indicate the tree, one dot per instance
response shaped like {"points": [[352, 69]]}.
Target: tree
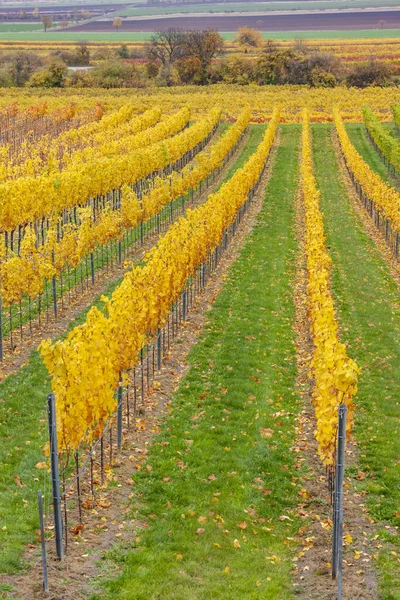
{"points": [[22, 14], [113, 73], [152, 69], [299, 71], [247, 37], [117, 23], [166, 46], [82, 55], [233, 70], [168, 76], [322, 79], [205, 45], [372, 73], [326, 61], [123, 51], [22, 65], [64, 23], [53, 76], [190, 70], [35, 12], [272, 65], [47, 22]]}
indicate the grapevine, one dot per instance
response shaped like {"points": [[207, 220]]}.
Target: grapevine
{"points": [[30, 198], [381, 193], [86, 367], [335, 374]]}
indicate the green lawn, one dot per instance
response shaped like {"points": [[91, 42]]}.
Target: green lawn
{"points": [[237, 483], [120, 37], [368, 305]]}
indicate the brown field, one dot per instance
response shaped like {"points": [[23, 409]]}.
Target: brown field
{"points": [[296, 22]]}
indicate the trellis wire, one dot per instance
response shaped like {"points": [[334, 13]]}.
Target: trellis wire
{"points": [[103, 257], [391, 168], [23, 128], [381, 223]]}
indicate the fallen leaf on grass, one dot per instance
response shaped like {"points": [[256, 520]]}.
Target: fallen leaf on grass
{"points": [[242, 525], [17, 480], [199, 531], [236, 544], [202, 520], [41, 465], [266, 433]]}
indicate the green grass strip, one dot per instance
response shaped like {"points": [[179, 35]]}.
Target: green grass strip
{"points": [[368, 305], [241, 380], [23, 432], [358, 135], [138, 36]]}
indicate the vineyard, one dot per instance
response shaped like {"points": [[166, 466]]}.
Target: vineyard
{"points": [[199, 343]]}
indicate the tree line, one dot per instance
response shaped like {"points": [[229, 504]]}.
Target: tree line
{"points": [[193, 57]]}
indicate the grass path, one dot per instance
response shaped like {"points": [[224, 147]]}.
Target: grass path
{"points": [[222, 468], [359, 137], [368, 305], [23, 432]]}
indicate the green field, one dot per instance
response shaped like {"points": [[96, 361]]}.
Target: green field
{"points": [[254, 7], [21, 27], [121, 37]]}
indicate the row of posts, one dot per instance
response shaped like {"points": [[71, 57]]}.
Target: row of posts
{"points": [[55, 474], [337, 539], [180, 163]]}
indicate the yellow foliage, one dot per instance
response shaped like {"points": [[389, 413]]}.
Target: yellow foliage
{"points": [[335, 374], [386, 198], [85, 367]]}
